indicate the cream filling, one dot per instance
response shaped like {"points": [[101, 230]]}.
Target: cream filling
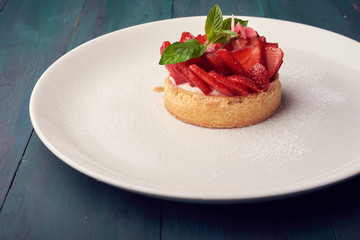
{"points": [[186, 86]]}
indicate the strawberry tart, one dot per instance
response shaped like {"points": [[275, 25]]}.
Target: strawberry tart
{"points": [[226, 78]]}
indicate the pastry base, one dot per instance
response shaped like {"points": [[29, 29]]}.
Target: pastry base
{"points": [[222, 111]]}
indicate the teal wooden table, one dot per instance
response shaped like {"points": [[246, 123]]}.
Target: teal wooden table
{"points": [[43, 198]]}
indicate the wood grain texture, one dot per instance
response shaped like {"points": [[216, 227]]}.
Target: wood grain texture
{"points": [[3, 4], [336, 16], [33, 35], [297, 218], [98, 18], [50, 200], [184, 8], [341, 205]]}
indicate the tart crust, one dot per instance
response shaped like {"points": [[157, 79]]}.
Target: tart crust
{"points": [[222, 111]]}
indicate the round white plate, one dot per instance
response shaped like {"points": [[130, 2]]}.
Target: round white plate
{"points": [[94, 108]]}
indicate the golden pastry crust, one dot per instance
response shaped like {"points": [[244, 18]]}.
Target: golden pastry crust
{"points": [[221, 111]]}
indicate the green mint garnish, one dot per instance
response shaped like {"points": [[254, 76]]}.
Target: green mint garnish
{"points": [[226, 25], [182, 51], [213, 22], [217, 30]]}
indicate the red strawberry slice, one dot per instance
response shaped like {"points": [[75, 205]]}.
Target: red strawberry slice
{"points": [[246, 82], [201, 73], [176, 74], [239, 88], [257, 41], [181, 67], [213, 47], [259, 75], [186, 36], [201, 38], [230, 61], [192, 77], [218, 64], [275, 45], [274, 58], [201, 62], [239, 43], [249, 56], [164, 46]]}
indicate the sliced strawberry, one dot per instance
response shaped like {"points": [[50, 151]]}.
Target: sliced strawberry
{"points": [[164, 46], [254, 41], [176, 73], [201, 62], [239, 43], [230, 61], [218, 64], [259, 75], [246, 82], [186, 36], [257, 41], [201, 38], [274, 58], [239, 88], [249, 56], [275, 45], [195, 79], [263, 40], [179, 67], [213, 47], [201, 73], [227, 47]]}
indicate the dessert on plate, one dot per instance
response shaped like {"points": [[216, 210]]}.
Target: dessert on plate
{"points": [[226, 78]]}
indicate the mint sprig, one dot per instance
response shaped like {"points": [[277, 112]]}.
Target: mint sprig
{"points": [[213, 22], [226, 24], [182, 51], [217, 30]]}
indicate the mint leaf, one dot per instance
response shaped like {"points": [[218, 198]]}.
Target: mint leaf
{"points": [[182, 51], [223, 36], [213, 21], [226, 24]]}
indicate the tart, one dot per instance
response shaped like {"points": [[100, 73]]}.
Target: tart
{"points": [[221, 111], [226, 78]]}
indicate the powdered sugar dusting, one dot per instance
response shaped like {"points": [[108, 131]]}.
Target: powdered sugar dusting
{"points": [[127, 121], [308, 95]]}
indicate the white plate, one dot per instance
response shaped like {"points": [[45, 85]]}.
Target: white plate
{"points": [[94, 108]]}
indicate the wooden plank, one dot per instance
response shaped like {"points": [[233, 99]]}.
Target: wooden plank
{"points": [[33, 35], [297, 218], [337, 16], [341, 204], [184, 8], [50, 200], [3, 4], [98, 19]]}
